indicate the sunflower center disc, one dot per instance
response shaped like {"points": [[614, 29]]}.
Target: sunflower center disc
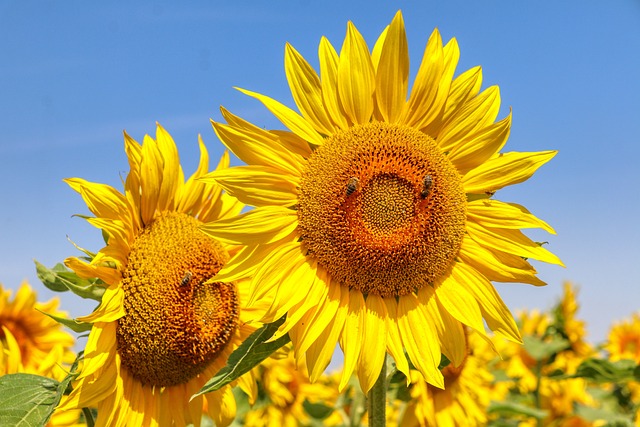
{"points": [[176, 319], [382, 209]]}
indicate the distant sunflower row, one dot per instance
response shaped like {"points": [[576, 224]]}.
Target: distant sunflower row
{"points": [[370, 222]]}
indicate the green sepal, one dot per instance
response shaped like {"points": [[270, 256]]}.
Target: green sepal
{"points": [[61, 279], [247, 356], [72, 324]]}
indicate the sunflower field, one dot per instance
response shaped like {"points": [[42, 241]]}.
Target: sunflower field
{"points": [[339, 270]]}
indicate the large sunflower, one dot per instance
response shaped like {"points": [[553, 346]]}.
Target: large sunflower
{"points": [[375, 225], [165, 325]]}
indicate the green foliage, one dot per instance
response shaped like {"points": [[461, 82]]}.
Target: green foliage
{"points": [[508, 408], [27, 400], [248, 355], [605, 371], [542, 349], [61, 279]]}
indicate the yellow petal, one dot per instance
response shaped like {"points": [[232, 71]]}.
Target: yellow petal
{"points": [[356, 77], [150, 179], [394, 342], [294, 287], [352, 336], [257, 185], [306, 298], [473, 116], [450, 331], [288, 117], [261, 225], [463, 88], [222, 406], [315, 321], [496, 214], [429, 86], [392, 71], [478, 147], [280, 263], [172, 176], [329, 79], [495, 312], [420, 339], [110, 309], [307, 91], [496, 266], [374, 343], [102, 200], [191, 193], [458, 302], [320, 352], [256, 146], [510, 241], [504, 169]]}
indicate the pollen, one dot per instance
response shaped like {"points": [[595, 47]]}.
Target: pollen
{"points": [[177, 317], [400, 227]]}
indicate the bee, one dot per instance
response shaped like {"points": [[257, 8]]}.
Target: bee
{"points": [[490, 193], [352, 185], [427, 183], [186, 279]]}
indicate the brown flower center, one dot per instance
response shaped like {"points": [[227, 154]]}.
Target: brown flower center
{"points": [[382, 209], [177, 318]]}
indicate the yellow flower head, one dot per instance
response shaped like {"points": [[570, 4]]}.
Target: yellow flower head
{"points": [[165, 325], [464, 400], [624, 340], [286, 388], [30, 340], [375, 225]]}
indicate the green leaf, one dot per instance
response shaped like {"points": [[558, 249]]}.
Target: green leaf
{"points": [[540, 349], [319, 411], [248, 355], [72, 324], [61, 279], [27, 400], [513, 408], [598, 414], [605, 371]]}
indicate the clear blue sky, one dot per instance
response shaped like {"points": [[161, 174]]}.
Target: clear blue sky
{"points": [[73, 76]]}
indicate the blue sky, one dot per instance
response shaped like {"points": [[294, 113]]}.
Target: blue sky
{"points": [[73, 76]]}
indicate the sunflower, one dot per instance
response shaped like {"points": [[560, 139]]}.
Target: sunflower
{"points": [[165, 325], [32, 342], [286, 389], [375, 225], [624, 340], [465, 399]]}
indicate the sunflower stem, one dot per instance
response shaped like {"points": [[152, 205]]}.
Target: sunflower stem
{"points": [[377, 399]]}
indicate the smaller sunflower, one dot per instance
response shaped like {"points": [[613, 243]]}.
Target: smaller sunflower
{"points": [[624, 340], [32, 342], [465, 397], [285, 390], [165, 325]]}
